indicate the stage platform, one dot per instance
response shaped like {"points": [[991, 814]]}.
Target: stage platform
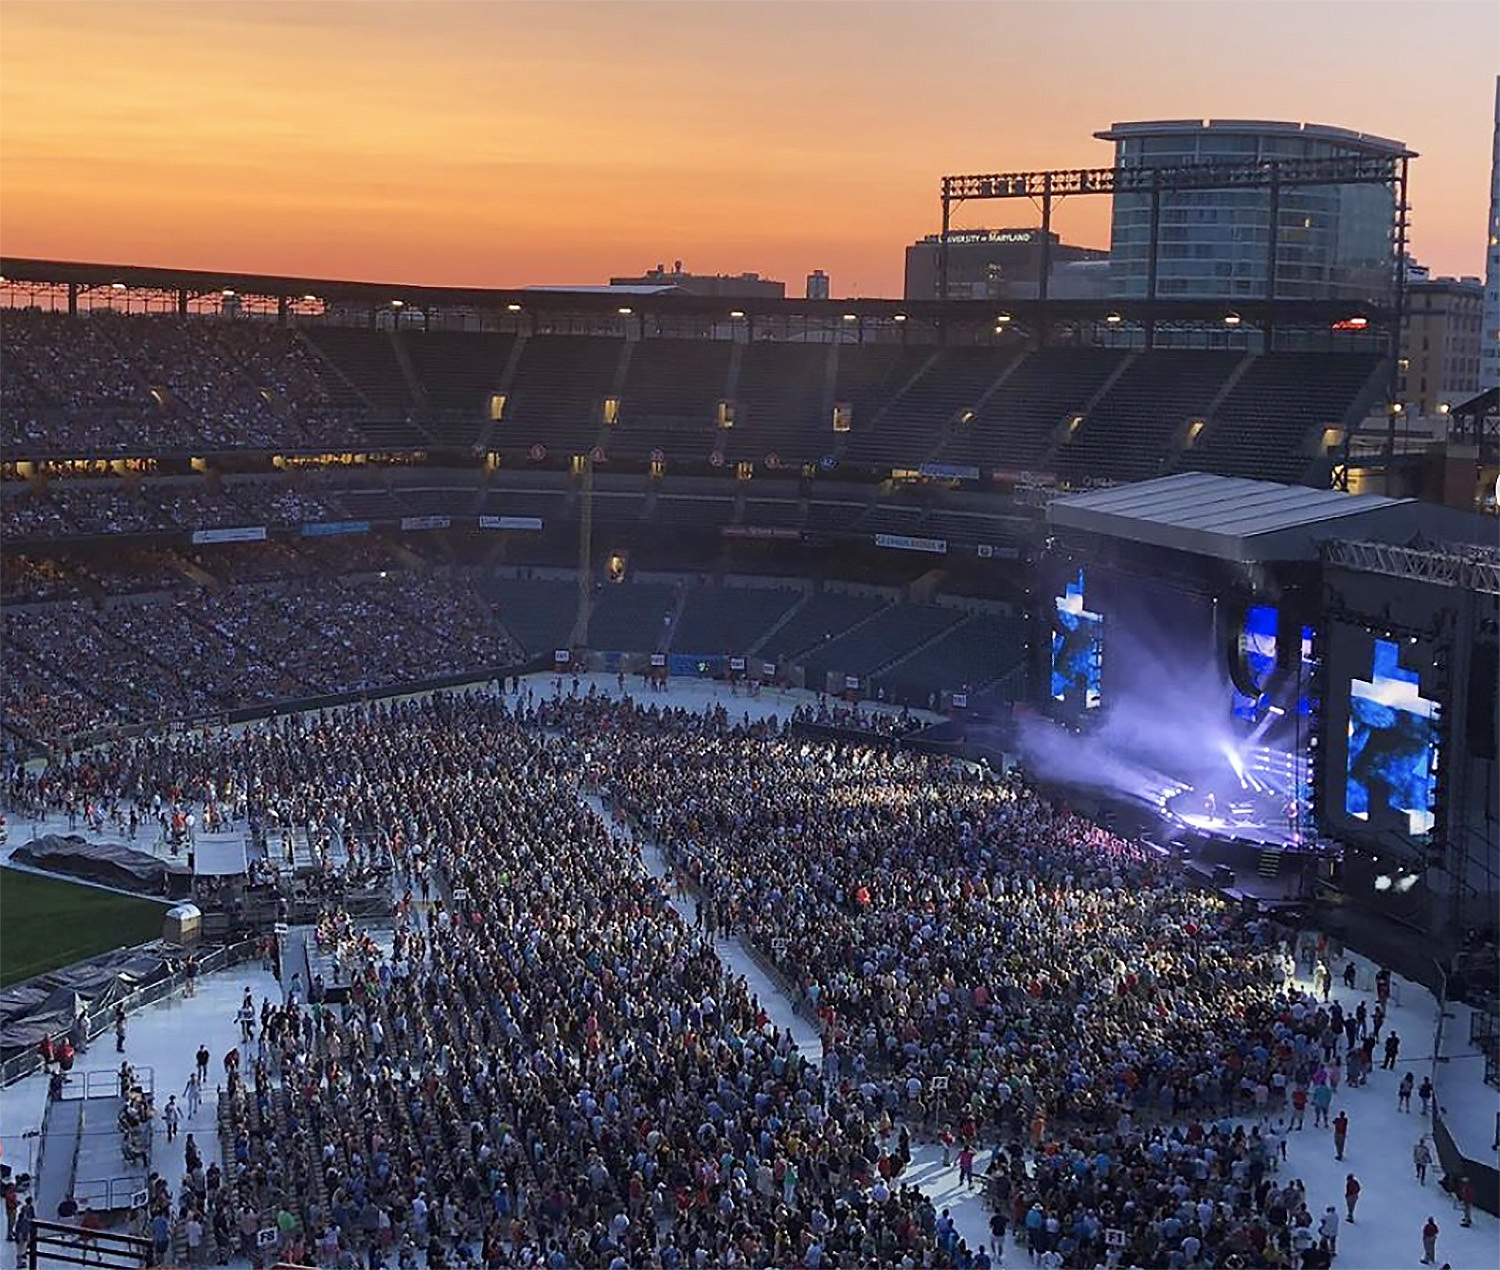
{"points": [[303, 959], [221, 854], [82, 1147]]}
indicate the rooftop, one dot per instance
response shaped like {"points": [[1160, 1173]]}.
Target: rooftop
{"points": [[1366, 141], [1233, 519]]}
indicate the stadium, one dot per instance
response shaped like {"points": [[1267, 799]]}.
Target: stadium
{"points": [[615, 777]]}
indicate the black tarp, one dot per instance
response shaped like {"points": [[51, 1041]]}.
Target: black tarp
{"points": [[48, 1004], [108, 863]]}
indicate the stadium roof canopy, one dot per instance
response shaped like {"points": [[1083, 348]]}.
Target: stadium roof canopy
{"points": [[85, 276], [1232, 519]]}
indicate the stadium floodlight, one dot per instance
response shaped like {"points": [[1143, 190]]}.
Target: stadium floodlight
{"points": [[1232, 319]]}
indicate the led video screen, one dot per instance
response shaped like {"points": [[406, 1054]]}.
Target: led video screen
{"points": [[1257, 640], [1077, 649], [1393, 744]]}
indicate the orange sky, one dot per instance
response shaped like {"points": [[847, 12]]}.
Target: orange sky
{"points": [[509, 144]]}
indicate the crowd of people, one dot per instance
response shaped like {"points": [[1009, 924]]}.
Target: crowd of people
{"points": [[76, 667], [104, 383], [72, 508], [547, 1066]]}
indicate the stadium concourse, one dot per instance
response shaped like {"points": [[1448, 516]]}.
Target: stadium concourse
{"points": [[552, 810]]}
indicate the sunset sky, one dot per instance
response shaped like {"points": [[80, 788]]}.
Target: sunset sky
{"points": [[517, 143]]}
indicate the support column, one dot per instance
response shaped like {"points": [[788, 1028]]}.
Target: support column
{"points": [[1153, 256], [1045, 258]]}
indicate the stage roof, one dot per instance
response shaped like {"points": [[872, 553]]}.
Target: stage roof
{"points": [[1231, 519]]}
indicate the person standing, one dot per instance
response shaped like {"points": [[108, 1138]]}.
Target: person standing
{"points": [[1429, 1242], [171, 1116], [1392, 1048], [1328, 1231], [203, 1060], [1351, 1196], [1322, 1099], [1425, 1093], [1466, 1198], [1340, 1134], [1421, 1157], [1403, 1095]]}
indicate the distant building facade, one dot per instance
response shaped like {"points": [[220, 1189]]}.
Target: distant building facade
{"points": [[1333, 242], [817, 285], [1489, 353], [1440, 343], [987, 264], [740, 286]]}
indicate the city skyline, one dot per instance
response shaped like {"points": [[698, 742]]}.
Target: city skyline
{"points": [[518, 144]]}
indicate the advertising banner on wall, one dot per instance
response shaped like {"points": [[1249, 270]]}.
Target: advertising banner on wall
{"points": [[245, 533]]}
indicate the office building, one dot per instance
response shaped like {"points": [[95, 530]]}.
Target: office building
{"points": [[1489, 352], [737, 286], [1333, 242], [817, 285], [988, 264], [1440, 344]]}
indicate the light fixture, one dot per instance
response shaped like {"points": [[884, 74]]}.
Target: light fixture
{"points": [[624, 312], [1443, 406], [309, 299], [227, 293], [398, 304], [736, 313], [1002, 318], [1232, 319], [512, 308], [851, 317], [900, 317], [117, 286], [1114, 319]]}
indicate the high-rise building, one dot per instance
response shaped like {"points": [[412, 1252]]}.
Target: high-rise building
{"points": [[1440, 343], [1489, 349], [817, 285], [1333, 242], [988, 264]]}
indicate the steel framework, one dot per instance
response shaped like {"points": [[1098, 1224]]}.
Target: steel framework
{"points": [[1472, 568], [1271, 176]]}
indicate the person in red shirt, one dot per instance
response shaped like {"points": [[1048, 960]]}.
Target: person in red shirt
{"points": [[1351, 1196], [1429, 1242], [1299, 1106]]}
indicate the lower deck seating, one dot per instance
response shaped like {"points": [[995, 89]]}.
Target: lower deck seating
{"points": [[729, 619], [631, 617], [893, 634]]}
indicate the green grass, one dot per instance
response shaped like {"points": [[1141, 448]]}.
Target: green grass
{"points": [[45, 923]]}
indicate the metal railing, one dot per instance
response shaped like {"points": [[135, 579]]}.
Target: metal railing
{"points": [[101, 1017], [55, 1243]]}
